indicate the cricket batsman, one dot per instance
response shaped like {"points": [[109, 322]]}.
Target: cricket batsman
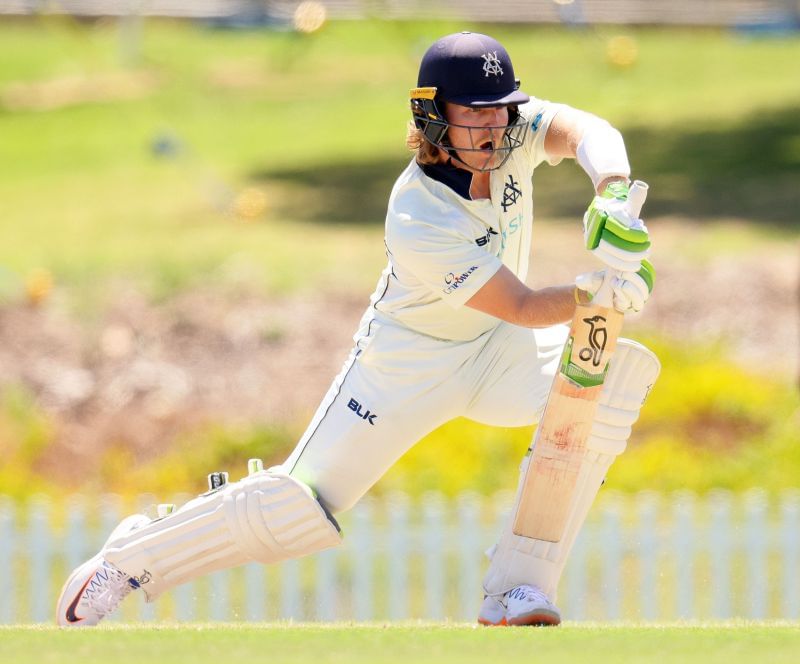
{"points": [[451, 331]]}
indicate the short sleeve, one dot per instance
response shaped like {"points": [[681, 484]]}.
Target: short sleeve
{"points": [[538, 114], [452, 266]]}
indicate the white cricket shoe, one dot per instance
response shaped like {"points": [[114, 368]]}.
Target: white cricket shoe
{"points": [[96, 588], [524, 605]]}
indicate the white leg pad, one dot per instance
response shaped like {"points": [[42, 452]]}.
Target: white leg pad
{"points": [[266, 517], [517, 560]]}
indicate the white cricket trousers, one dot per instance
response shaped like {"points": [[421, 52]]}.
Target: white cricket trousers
{"points": [[398, 385]]}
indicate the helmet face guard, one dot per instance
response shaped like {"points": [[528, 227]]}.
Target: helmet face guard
{"points": [[433, 125]]}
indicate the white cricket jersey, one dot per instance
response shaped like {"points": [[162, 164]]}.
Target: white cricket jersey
{"points": [[443, 247]]}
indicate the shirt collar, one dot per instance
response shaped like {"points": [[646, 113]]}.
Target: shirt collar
{"points": [[458, 179]]}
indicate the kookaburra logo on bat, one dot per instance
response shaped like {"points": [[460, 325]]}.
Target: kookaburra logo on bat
{"points": [[598, 336]]}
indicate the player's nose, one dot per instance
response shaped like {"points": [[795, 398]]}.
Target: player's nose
{"points": [[489, 117]]}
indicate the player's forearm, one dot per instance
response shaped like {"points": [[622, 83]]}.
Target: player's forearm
{"points": [[505, 297], [526, 307], [545, 307]]}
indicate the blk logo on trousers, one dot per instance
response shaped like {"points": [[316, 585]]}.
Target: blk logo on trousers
{"points": [[358, 409]]}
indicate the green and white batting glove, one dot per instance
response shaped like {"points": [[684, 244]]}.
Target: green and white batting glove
{"points": [[617, 239], [631, 290]]}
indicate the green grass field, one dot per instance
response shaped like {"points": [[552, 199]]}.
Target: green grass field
{"points": [[405, 644], [317, 123]]}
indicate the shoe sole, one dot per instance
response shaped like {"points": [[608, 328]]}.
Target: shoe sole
{"points": [[532, 620], [537, 619]]}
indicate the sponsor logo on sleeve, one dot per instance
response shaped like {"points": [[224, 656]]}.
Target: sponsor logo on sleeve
{"points": [[453, 281], [537, 121]]}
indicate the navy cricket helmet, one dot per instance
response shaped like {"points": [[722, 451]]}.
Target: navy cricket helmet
{"points": [[468, 69]]}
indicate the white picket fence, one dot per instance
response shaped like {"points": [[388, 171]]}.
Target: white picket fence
{"points": [[641, 557]]}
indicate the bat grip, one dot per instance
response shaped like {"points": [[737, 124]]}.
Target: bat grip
{"points": [[636, 197]]}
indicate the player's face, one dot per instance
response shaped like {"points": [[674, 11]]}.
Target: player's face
{"points": [[476, 133]]}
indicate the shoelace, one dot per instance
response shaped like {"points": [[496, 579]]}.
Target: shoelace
{"points": [[529, 593], [117, 588]]}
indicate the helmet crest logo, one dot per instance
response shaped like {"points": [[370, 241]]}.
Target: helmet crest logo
{"points": [[491, 64]]}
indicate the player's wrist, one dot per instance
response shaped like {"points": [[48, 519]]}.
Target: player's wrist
{"points": [[609, 184]]}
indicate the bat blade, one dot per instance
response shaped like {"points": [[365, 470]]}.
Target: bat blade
{"points": [[557, 452], [558, 448]]}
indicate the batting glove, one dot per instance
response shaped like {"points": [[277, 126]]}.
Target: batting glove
{"points": [[631, 290], [617, 239]]}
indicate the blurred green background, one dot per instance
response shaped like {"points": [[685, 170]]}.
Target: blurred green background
{"points": [[192, 224]]}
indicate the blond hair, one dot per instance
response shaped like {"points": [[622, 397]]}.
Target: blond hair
{"points": [[427, 152]]}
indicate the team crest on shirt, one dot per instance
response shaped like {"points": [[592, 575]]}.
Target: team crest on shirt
{"points": [[511, 193], [491, 64]]}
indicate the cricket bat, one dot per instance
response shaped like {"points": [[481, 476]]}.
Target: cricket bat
{"points": [[558, 448]]}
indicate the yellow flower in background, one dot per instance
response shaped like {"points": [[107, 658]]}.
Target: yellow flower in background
{"points": [[622, 51], [250, 204], [38, 285]]}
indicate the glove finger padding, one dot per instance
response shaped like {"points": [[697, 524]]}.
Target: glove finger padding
{"points": [[628, 297], [620, 259], [612, 234], [631, 290]]}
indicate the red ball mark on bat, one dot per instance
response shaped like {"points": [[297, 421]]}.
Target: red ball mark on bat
{"points": [[563, 437]]}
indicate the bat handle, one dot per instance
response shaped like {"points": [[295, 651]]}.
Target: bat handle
{"points": [[636, 197]]}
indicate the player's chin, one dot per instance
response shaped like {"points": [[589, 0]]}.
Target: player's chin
{"points": [[481, 159], [490, 160]]}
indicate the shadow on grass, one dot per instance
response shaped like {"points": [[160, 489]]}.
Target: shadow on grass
{"points": [[749, 170]]}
